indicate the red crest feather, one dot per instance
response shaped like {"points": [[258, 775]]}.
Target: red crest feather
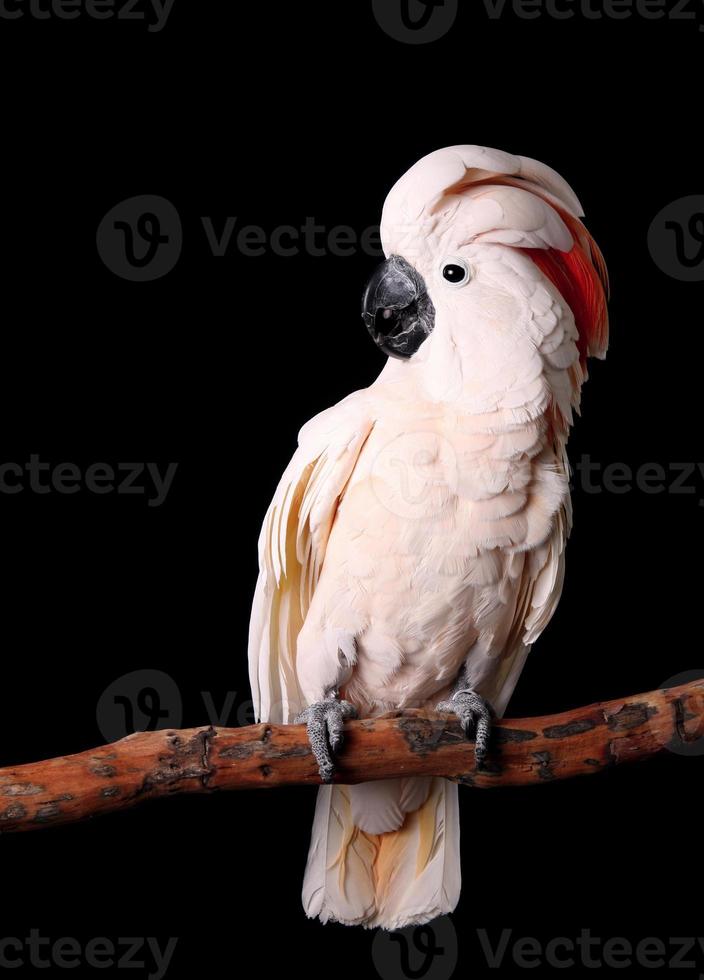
{"points": [[581, 278]]}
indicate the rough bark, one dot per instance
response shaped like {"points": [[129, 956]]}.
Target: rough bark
{"points": [[205, 760]]}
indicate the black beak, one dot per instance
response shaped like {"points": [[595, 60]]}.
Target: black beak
{"points": [[396, 308]]}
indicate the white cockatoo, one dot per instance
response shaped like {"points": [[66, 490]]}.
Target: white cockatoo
{"points": [[414, 549]]}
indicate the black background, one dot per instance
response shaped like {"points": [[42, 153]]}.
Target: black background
{"points": [[272, 113]]}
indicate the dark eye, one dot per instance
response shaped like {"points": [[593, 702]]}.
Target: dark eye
{"points": [[455, 274]]}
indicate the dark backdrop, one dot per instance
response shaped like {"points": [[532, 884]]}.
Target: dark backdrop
{"points": [[273, 114]]}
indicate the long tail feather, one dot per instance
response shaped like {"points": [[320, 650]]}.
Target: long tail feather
{"points": [[390, 880]]}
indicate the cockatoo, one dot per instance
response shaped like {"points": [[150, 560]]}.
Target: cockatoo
{"points": [[414, 549]]}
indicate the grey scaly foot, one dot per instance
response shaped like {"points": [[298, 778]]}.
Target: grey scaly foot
{"points": [[475, 715], [326, 721]]}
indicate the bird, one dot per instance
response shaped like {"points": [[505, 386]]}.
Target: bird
{"points": [[414, 549]]}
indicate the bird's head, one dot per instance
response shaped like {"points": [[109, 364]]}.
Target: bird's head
{"points": [[491, 281]]}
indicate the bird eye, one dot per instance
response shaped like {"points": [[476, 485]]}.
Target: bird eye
{"points": [[456, 273]]}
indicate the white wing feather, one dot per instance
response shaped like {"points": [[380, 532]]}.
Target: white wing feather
{"points": [[292, 547]]}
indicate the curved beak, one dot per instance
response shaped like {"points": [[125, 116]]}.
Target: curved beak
{"points": [[396, 308]]}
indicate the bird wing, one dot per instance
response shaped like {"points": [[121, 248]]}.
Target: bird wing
{"points": [[292, 547], [540, 584]]}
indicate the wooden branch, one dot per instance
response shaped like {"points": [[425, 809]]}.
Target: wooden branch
{"points": [[204, 760]]}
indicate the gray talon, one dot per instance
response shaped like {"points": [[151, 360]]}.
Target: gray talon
{"points": [[475, 715], [326, 723]]}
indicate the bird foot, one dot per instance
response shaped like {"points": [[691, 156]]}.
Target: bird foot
{"points": [[326, 721], [475, 715]]}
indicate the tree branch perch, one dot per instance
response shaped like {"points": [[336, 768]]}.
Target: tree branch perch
{"points": [[204, 760]]}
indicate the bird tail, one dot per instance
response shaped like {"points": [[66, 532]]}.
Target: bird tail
{"points": [[384, 854]]}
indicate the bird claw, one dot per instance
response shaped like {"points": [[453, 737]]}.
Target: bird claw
{"points": [[475, 715], [326, 722]]}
